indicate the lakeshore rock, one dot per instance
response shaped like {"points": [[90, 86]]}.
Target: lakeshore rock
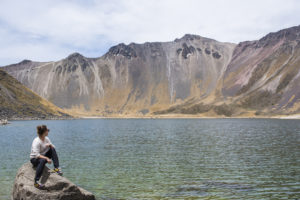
{"points": [[57, 187]]}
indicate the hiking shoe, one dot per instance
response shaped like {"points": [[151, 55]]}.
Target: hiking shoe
{"points": [[39, 185], [58, 171]]}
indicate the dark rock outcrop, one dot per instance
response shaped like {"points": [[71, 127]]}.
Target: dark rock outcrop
{"points": [[122, 49], [207, 51], [216, 55], [57, 187], [187, 50]]}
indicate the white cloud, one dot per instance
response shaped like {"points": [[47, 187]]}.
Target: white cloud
{"points": [[52, 29]]}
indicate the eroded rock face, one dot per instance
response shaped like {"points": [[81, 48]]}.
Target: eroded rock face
{"points": [[265, 74], [57, 187], [130, 78]]}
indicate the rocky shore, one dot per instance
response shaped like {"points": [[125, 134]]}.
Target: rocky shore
{"points": [[10, 115], [57, 187]]}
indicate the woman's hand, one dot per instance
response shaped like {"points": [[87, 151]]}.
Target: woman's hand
{"points": [[49, 160], [49, 145], [46, 158]]}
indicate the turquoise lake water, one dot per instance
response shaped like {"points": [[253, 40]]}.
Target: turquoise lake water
{"points": [[166, 158]]}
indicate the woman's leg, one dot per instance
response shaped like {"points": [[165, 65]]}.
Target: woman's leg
{"points": [[39, 169], [53, 155], [34, 162]]}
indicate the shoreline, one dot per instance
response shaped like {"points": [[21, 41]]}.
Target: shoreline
{"points": [[36, 118], [158, 117], [185, 117]]}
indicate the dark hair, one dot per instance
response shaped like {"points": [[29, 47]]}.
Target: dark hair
{"points": [[42, 129]]}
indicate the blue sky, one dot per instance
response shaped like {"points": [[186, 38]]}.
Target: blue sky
{"points": [[45, 30]]}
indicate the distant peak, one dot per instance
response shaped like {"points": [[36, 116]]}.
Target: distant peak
{"points": [[120, 45], [75, 55], [24, 62], [190, 37], [291, 33], [73, 61]]}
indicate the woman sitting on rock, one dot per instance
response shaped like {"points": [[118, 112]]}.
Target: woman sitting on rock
{"points": [[42, 151]]}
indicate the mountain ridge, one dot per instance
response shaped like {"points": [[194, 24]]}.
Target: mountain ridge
{"points": [[152, 78]]}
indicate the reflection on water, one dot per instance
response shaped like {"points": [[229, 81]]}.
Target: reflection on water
{"points": [[167, 158]]}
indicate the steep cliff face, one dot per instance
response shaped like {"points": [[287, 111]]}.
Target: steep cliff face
{"points": [[264, 75], [17, 101], [190, 75], [130, 79]]}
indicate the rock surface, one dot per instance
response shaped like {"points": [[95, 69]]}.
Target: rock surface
{"points": [[57, 187]]}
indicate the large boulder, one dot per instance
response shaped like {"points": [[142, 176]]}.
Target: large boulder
{"points": [[57, 187]]}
